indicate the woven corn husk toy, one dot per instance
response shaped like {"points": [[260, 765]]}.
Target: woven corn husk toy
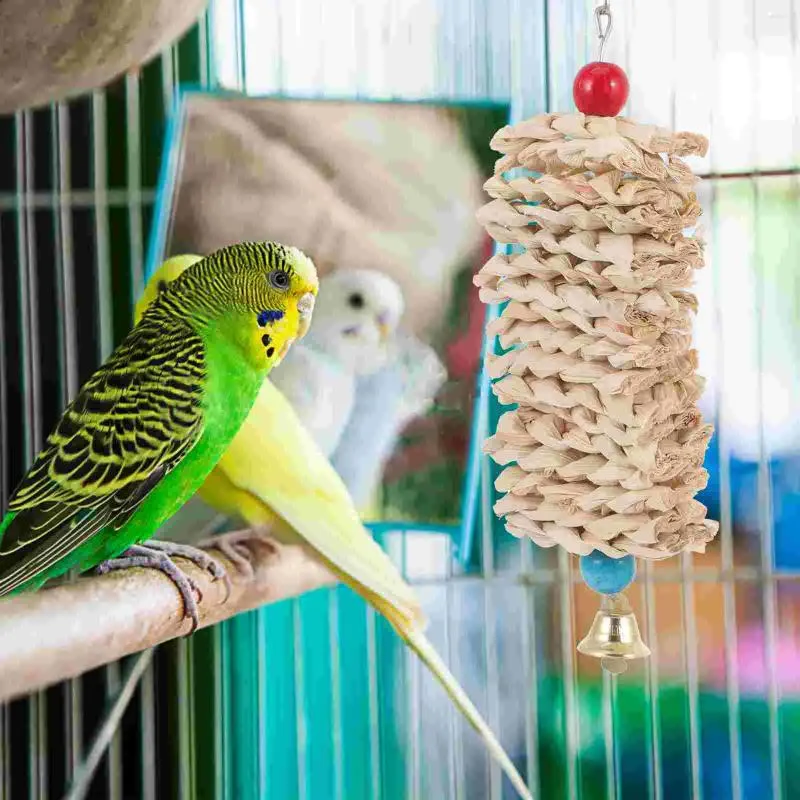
{"points": [[603, 453]]}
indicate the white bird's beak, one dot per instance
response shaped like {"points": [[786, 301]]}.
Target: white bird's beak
{"points": [[305, 308], [384, 329]]}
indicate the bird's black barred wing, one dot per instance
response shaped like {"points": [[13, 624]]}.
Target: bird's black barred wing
{"points": [[131, 423]]}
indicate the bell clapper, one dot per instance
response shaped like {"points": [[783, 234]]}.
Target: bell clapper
{"points": [[614, 665]]}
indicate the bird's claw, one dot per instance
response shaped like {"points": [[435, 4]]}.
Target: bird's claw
{"points": [[196, 556], [234, 546], [144, 556], [158, 555]]}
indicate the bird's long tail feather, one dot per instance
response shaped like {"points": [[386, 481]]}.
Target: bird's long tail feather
{"points": [[419, 643], [408, 622]]}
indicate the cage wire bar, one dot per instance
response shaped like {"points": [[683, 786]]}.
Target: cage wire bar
{"points": [[74, 202]]}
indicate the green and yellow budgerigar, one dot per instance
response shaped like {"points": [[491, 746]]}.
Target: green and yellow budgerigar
{"points": [[274, 475], [149, 425]]}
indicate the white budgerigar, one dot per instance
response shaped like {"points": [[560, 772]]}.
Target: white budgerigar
{"points": [[386, 401], [355, 319]]}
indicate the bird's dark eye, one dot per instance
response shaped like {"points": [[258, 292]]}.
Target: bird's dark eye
{"points": [[279, 280], [356, 300], [161, 285]]}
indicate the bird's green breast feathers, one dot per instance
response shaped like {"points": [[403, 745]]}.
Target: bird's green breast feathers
{"points": [[230, 391]]}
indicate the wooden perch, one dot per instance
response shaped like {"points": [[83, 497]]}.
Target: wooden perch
{"points": [[61, 632]]}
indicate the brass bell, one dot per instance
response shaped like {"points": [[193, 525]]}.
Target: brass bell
{"points": [[614, 636]]}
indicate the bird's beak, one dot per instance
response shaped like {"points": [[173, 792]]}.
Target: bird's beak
{"points": [[305, 308], [384, 330]]}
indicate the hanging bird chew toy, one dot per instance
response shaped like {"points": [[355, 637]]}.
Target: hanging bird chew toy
{"points": [[603, 453]]}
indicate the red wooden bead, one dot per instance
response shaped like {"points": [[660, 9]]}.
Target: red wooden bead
{"points": [[600, 89]]}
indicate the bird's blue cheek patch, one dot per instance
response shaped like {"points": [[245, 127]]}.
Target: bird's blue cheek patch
{"points": [[269, 316]]}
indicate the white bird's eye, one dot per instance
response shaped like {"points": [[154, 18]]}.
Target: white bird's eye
{"points": [[356, 300], [278, 279]]}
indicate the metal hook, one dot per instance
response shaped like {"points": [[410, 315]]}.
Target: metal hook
{"points": [[604, 22]]}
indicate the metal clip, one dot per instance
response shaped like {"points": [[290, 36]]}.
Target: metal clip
{"points": [[604, 22]]}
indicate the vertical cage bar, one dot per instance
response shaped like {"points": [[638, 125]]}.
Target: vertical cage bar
{"points": [[458, 722], [673, 98], [618, 733], [204, 39], [65, 294], [490, 640], [221, 739], [414, 765], [570, 679], [38, 740], [336, 693], [241, 45], [609, 739], [28, 285], [147, 731], [167, 79], [134, 182], [794, 97], [302, 733], [65, 254], [444, 60], [653, 728], [186, 727], [113, 685], [413, 696], [176, 70], [726, 530], [529, 642], [207, 72], [374, 718], [359, 60], [794, 36], [766, 527], [220, 772], [727, 564], [261, 700], [5, 730], [476, 76], [689, 636], [183, 711], [103, 265], [105, 346], [453, 739], [31, 382]]}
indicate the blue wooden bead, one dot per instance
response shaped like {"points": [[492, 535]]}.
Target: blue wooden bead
{"points": [[607, 575]]}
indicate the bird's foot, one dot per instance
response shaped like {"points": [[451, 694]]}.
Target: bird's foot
{"points": [[145, 556], [196, 556], [234, 546]]}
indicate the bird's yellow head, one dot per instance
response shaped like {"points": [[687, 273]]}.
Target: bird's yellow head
{"points": [[160, 279], [272, 288]]}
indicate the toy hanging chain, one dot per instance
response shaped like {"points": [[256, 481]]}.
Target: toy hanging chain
{"points": [[603, 453]]}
